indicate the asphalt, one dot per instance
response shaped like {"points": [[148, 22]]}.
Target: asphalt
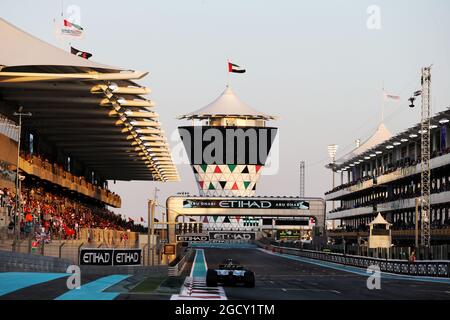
{"points": [[46, 290], [277, 277], [281, 278]]}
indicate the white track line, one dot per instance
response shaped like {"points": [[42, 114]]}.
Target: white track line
{"points": [[194, 288]]}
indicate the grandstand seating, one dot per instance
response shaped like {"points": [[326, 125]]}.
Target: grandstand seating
{"points": [[59, 216]]}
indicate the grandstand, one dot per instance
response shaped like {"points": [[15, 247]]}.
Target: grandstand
{"points": [[383, 175], [90, 123]]}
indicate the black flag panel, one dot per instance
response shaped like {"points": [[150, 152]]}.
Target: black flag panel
{"points": [[79, 53]]}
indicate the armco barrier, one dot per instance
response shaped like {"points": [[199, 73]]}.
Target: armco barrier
{"points": [[424, 268]]}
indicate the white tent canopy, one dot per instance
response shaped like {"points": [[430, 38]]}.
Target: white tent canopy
{"points": [[382, 134], [227, 104]]}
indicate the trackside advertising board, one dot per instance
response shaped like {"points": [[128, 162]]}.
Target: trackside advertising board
{"points": [[110, 257], [289, 234]]}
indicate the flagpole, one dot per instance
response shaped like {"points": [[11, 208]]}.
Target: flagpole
{"points": [[383, 99], [228, 73], [64, 42], [57, 27]]}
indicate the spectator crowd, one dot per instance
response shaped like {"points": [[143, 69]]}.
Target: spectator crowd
{"points": [[59, 216]]}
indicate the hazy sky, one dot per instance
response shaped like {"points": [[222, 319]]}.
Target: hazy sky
{"points": [[315, 64]]}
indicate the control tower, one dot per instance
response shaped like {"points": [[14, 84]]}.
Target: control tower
{"points": [[227, 145]]}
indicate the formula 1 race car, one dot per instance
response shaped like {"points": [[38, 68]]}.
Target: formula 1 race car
{"points": [[230, 273]]}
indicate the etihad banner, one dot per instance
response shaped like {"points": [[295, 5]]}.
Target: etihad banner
{"points": [[110, 257], [193, 238], [246, 204], [224, 236]]}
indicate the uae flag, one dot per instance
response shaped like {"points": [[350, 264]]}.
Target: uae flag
{"points": [[79, 53], [391, 96], [72, 25], [235, 68]]}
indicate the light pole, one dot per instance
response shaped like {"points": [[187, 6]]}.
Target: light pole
{"points": [[163, 223], [151, 226], [332, 149], [20, 114], [425, 176], [416, 231], [154, 204], [302, 179]]}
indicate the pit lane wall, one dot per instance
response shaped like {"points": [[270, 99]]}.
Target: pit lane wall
{"points": [[177, 267], [422, 268], [23, 262]]}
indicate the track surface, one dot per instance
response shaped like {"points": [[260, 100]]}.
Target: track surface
{"points": [[277, 277], [281, 278]]}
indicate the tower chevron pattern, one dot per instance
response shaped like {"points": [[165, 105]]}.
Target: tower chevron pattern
{"points": [[227, 179]]}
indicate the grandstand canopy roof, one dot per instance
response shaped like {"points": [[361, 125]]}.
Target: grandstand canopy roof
{"points": [[382, 141], [380, 135], [92, 112], [227, 105]]}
